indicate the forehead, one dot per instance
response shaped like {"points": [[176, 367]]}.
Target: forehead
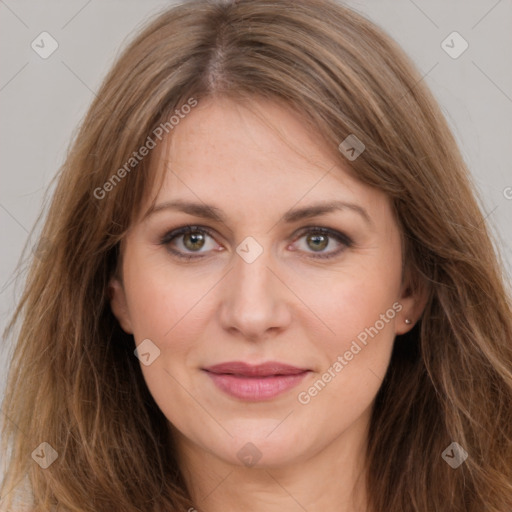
{"points": [[257, 155]]}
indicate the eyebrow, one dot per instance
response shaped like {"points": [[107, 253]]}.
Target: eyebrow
{"points": [[211, 212]]}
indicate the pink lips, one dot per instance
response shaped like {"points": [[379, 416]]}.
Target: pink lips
{"points": [[255, 382]]}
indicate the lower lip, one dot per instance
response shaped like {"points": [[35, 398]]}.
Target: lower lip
{"points": [[255, 389]]}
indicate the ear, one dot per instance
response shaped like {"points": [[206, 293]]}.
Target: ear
{"points": [[119, 305], [413, 298]]}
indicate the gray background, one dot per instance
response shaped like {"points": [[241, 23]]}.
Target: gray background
{"points": [[43, 100]]}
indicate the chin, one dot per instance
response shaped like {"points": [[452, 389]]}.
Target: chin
{"points": [[259, 444]]}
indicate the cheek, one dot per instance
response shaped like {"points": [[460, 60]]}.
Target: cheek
{"points": [[355, 299], [359, 307], [362, 326], [170, 310], [165, 304]]}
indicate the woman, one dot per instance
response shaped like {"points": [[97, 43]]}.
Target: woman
{"points": [[266, 285]]}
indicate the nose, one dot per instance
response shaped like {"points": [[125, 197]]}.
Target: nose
{"points": [[254, 301]]}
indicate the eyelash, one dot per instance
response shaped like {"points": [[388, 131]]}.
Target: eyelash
{"points": [[342, 238]]}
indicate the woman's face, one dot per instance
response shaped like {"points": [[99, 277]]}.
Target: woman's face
{"points": [[289, 279]]}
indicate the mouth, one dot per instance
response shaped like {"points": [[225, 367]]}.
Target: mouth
{"points": [[255, 382]]}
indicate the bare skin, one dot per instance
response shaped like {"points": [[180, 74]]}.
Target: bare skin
{"points": [[292, 304]]}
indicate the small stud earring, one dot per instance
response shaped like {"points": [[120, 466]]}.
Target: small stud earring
{"points": [[407, 321]]}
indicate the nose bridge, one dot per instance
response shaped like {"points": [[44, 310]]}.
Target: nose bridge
{"points": [[251, 279], [254, 301]]}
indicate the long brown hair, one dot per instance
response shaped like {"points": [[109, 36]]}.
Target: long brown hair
{"points": [[74, 382]]}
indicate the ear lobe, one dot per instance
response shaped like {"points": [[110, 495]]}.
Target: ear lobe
{"points": [[119, 305], [413, 300]]}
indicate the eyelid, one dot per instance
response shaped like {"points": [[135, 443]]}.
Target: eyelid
{"points": [[334, 233], [339, 236], [174, 233]]}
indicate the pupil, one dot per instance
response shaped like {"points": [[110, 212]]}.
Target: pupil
{"points": [[319, 241]]}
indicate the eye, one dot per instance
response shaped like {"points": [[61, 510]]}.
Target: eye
{"points": [[318, 239], [189, 241]]}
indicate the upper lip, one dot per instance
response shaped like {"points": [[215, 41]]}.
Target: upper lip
{"points": [[259, 370]]}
